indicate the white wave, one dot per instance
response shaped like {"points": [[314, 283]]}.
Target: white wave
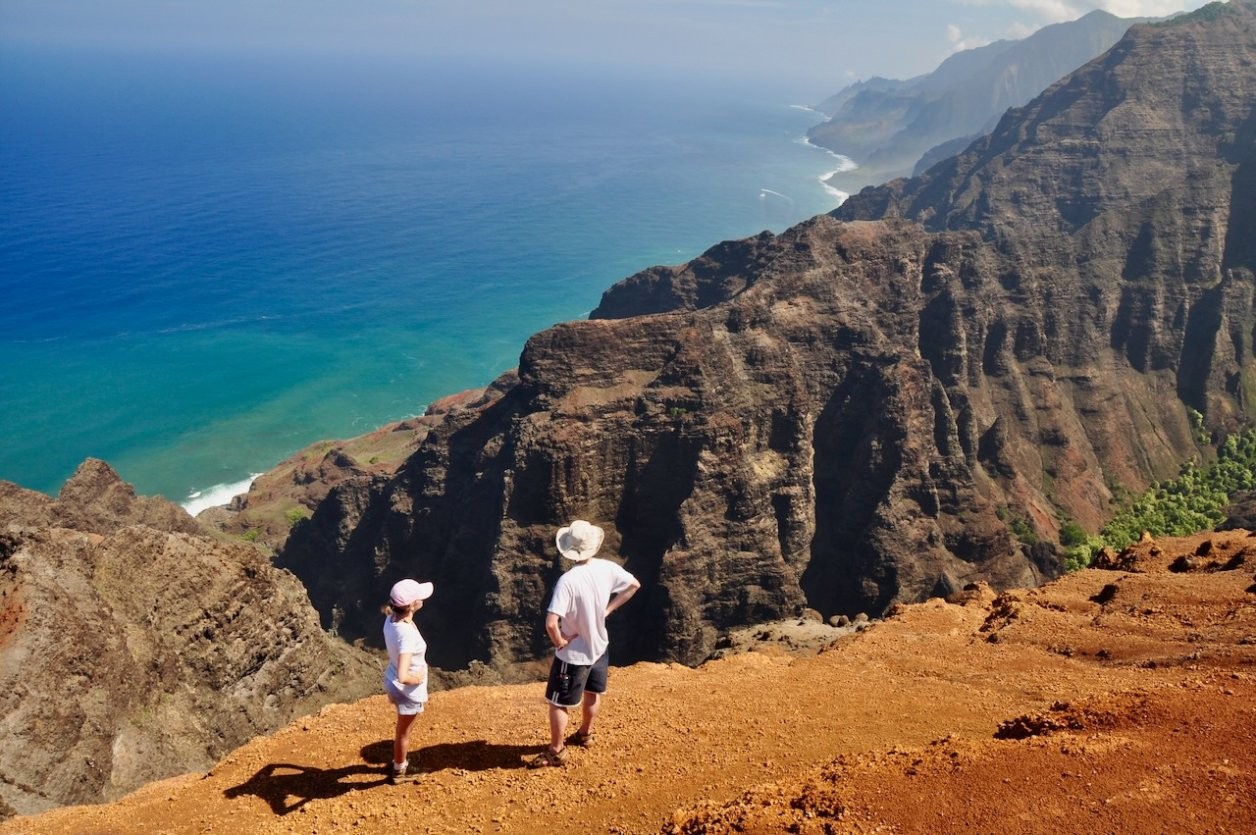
{"points": [[845, 163], [809, 110], [838, 193], [764, 191], [216, 496]]}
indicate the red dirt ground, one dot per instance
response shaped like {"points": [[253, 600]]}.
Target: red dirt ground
{"points": [[1117, 700]]}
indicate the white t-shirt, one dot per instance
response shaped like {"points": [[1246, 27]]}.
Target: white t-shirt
{"points": [[403, 636], [580, 599]]}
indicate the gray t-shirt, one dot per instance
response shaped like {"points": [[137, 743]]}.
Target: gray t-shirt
{"points": [[401, 637], [580, 599]]}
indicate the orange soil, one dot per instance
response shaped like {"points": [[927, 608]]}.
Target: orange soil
{"points": [[1127, 699]]}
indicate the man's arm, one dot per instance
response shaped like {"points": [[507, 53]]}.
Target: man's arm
{"points": [[624, 596], [555, 634]]}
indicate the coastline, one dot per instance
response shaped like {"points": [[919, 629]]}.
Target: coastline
{"points": [[189, 398], [844, 165]]}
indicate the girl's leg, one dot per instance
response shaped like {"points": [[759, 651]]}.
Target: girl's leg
{"points": [[401, 741]]}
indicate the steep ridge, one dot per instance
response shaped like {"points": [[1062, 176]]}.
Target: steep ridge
{"points": [[1121, 194], [854, 413], [887, 126], [1116, 699], [133, 645]]}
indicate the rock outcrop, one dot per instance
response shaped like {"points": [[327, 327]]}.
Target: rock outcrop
{"points": [[134, 646], [861, 410], [286, 495]]}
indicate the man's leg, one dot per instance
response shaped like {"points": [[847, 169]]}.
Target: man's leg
{"points": [[595, 686], [558, 727], [588, 712]]}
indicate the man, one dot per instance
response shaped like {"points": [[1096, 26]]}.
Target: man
{"points": [[576, 624]]}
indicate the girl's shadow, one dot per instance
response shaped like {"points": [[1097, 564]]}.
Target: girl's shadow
{"points": [[287, 787], [276, 783]]}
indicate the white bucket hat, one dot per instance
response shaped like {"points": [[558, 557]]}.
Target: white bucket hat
{"points": [[579, 540]]}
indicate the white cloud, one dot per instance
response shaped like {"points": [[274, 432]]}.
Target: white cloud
{"points": [[1038, 13], [959, 43], [1056, 11], [1019, 31], [1050, 11]]}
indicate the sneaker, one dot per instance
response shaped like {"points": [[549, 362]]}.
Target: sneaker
{"points": [[399, 775]]}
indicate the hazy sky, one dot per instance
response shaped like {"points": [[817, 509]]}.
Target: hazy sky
{"points": [[814, 46]]}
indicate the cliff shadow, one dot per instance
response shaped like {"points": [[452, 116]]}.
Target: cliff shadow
{"points": [[1199, 343], [856, 456], [1240, 241], [659, 477]]}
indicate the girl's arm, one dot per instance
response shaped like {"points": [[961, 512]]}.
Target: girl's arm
{"points": [[405, 675]]}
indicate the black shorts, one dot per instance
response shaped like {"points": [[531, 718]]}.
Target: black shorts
{"points": [[569, 682]]}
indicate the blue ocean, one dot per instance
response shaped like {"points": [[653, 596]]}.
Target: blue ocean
{"points": [[209, 262]]}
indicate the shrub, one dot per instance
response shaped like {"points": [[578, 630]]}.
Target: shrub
{"points": [[1072, 534], [1022, 530], [1195, 501]]}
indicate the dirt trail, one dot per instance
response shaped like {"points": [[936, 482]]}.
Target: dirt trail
{"points": [[1134, 693]]}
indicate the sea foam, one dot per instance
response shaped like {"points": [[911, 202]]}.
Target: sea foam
{"points": [[836, 192], [216, 496]]}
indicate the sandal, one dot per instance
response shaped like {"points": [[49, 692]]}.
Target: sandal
{"points": [[549, 759], [582, 740]]}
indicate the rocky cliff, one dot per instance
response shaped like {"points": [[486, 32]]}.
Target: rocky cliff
{"points": [[1125, 195], [134, 646], [858, 411]]}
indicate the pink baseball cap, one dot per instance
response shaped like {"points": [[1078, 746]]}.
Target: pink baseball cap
{"points": [[405, 592]]}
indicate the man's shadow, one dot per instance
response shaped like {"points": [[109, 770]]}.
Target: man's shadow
{"points": [[287, 787], [475, 755]]}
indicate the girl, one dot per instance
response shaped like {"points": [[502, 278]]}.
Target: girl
{"points": [[405, 680]]}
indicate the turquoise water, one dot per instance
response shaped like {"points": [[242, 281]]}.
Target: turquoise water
{"points": [[206, 265]]}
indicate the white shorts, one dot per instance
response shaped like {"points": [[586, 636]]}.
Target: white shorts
{"points": [[405, 705]]}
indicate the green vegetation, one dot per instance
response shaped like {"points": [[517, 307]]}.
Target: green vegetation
{"points": [[1197, 426], [1195, 501], [1072, 534], [295, 515], [251, 535], [1022, 530], [1080, 554]]}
